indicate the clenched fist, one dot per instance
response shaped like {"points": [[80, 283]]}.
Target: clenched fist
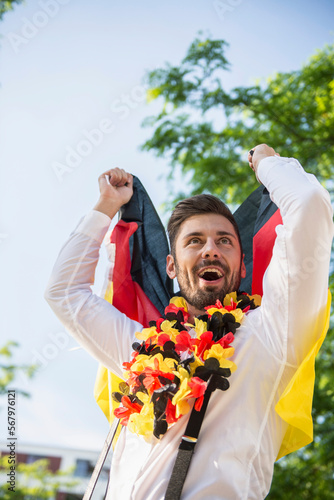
{"points": [[116, 189], [259, 152]]}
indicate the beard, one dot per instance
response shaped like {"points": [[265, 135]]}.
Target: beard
{"points": [[200, 298]]}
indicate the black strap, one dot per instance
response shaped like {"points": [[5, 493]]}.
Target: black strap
{"points": [[183, 458], [186, 450]]}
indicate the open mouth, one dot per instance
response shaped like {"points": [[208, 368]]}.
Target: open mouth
{"points": [[210, 274]]}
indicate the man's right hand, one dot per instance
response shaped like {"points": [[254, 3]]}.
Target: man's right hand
{"points": [[116, 189]]}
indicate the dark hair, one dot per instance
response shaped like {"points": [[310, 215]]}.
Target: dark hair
{"points": [[197, 205]]}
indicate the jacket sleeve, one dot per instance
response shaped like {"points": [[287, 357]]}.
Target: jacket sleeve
{"points": [[106, 333], [295, 285]]}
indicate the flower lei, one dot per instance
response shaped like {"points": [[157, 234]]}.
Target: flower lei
{"points": [[177, 361]]}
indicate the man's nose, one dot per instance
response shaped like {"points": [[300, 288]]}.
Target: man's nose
{"points": [[210, 250]]}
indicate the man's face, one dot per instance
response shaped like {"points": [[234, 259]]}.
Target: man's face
{"points": [[207, 262]]}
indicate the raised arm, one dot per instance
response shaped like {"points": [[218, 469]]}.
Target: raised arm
{"points": [[295, 285], [99, 327]]}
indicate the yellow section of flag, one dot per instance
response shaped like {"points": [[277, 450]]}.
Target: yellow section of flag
{"points": [[295, 405], [107, 382]]}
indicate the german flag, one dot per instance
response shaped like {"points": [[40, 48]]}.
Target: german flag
{"points": [[138, 286]]}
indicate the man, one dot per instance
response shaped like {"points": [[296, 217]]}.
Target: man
{"points": [[242, 433]]}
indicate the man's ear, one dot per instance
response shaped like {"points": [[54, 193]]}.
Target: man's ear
{"points": [[170, 266], [243, 268]]}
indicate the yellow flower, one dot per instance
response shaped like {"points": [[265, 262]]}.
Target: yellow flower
{"points": [[200, 327], [257, 299], [212, 310], [179, 302], [182, 373], [218, 352], [166, 365], [167, 327], [146, 333], [229, 297], [141, 362], [144, 398], [142, 423], [180, 399], [238, 314], [194, 365]]}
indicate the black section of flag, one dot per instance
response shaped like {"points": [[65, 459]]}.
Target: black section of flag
{"points": [[148, 247]]}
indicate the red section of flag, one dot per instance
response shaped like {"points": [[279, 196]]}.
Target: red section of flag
{"points": [[263, 243], [128, 296]]}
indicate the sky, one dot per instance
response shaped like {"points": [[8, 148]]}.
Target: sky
{"points": [[72, 100]]}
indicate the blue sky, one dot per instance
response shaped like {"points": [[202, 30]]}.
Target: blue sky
{"points": [[69, 67]]}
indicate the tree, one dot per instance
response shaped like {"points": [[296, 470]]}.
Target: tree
{"points": [[9, 370], [7, 5], [34, 480], [294, 112]]}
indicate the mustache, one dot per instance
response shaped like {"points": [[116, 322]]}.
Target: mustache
{"points": [[212, 263]]}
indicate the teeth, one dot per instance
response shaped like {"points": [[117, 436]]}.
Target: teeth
{"points": [[211, 270]]}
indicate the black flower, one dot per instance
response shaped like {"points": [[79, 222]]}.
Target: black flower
{"points": [[222, 324]]}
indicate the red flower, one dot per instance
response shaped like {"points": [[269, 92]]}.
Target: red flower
{"points": [[172, 308], [124, 412], [151, 381], [150, 341], [226, 340], [183, 342], [217, 305], [231, 307], [197, 386], [133, 380], [163, 338], [198, 403], [158, 323], [127, 364], [171, 413], [204, 343]]}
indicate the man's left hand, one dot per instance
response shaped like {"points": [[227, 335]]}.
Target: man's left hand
{"points": [[259, 152]]}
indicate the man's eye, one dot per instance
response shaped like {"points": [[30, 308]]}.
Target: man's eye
{"points": [[225, 240], [194, 241]]}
